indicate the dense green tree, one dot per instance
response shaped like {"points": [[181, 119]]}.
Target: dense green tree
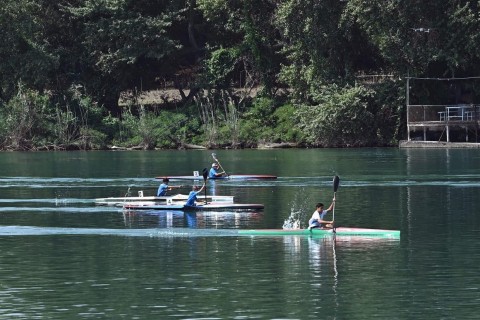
{"points": [[125, 43], [315, 44], [24, 52], [73, 58], [422, 38], [247, 28], [343, 116]]}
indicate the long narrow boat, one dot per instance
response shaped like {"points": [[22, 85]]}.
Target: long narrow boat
{"points": [[340, 231], [120, 201], [229, 177], [172, 232], [199, 207]]}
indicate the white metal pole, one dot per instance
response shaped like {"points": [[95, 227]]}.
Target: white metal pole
{"points": [[408, 108]]}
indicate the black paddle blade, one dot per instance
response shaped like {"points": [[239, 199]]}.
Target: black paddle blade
{"points": [[336, 183], [205, 174]]}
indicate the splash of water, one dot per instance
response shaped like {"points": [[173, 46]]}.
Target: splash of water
{"points": [[299, 205], [293, 221]]}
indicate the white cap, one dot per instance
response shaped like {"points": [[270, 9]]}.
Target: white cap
{"points": [[214, 164]]}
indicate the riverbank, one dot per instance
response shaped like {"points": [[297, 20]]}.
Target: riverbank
{"points": [[437, 144]]}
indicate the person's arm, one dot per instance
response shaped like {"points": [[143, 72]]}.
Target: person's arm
{"points": [[325, 221], [332, 205], [219, 174], [201, 188], [322, 214]]}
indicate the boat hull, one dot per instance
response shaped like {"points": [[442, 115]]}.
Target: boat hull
{"points": [[120, 201], [230, 177], [341, 231], [199, 207]]}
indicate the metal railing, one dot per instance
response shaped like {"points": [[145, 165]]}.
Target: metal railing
{"points": [[443, 113]]}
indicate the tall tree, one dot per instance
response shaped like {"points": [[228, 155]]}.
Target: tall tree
{"points": [[246, 28], [421, 37], [126, 43], [319, 47], [24, 53]]}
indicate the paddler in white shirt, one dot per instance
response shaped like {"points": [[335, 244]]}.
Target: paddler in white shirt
{"points": [[316, 221]]}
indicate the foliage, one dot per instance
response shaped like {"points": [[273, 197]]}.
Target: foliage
{"points": [[353, 116], [24, 52], [137, 131], [33, 120], [21, 119], [256, 123], [266, 122], [285, 129], [246, 26], [122, 42], [314, 43], [173, 129], [64, 64], [420, 37], [219, 67], [148, 131], [390, 115], [341, 117]]}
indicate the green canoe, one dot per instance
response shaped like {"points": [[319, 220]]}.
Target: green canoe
{"points": [[341, 232]]}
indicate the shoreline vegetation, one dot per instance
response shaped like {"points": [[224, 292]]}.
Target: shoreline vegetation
{"points": [[152, 75], [161, 119]]}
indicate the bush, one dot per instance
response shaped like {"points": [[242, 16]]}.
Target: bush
{"points": [[148, 130], [23, 118], [265, 122], [286, 127], [342, 117]]}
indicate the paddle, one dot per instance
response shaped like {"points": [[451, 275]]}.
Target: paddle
{"points": [[214, 156], [336, 183], [205, 176]]}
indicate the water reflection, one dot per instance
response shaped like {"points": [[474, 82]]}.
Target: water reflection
{"points": [[323, 259], [151, 219], [330, 261], [64, 258], [180, 219]]}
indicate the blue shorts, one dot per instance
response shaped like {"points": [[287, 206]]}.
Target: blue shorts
{"points": [[314, 223]]}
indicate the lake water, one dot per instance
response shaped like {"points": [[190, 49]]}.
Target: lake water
{"points": [[62, 257]]}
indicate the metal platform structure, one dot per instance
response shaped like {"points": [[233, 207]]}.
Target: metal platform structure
{"points": [[442, 118]]}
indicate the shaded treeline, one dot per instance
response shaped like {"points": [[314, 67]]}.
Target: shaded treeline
{"points": [[244, 72]]}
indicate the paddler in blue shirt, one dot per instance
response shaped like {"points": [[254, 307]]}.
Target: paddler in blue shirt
{"points": [[192, 196], [164, 187], [316, 221], [213, 173]]}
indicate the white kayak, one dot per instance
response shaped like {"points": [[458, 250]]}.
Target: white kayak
{"points": [[200, 206], [120, 201]]}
